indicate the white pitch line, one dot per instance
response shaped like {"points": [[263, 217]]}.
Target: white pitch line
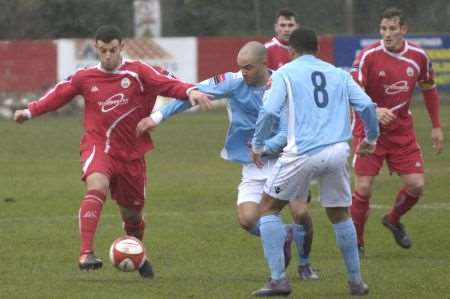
{"points": [[434, 207]]}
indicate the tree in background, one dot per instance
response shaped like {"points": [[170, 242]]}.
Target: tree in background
{"points": [[38, 19]]}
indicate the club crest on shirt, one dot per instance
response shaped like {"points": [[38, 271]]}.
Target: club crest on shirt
{"points": [[381, 74], [409, 71], [94, 88], [125, 83]]}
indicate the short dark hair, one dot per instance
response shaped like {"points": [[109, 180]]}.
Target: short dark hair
{"points": [[392, 12], [286, 13], [304, 40], [108, 33]]}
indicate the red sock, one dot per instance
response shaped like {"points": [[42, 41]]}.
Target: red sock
{"points": [[403, 203], [88, 217], [135, 229], [360, 212]]}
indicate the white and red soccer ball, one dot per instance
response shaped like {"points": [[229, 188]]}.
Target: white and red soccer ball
{"points": [[127, 253]]}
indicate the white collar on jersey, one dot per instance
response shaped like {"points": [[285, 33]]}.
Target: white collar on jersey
{"points": [[405, 48], [277, 42], [115, 71]]}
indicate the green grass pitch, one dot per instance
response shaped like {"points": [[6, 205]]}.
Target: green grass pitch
{"points": [[192, 236]]}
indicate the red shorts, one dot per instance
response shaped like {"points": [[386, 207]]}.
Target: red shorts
{"points": [[127, 179], [402, 154]]}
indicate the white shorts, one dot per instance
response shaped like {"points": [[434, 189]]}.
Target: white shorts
{"points": [[252, 182], [292, 175]]}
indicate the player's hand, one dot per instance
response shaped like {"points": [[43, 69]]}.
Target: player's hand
{"points": [[199, 98], [21, 116], [437, 140], [385, 116], [145, 125], [365, 148], [257, 158]]}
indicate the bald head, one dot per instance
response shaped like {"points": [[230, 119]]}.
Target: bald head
{"points": [[253, 50], [252, 62]]}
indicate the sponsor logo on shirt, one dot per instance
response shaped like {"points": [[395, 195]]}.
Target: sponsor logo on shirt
{"points": [[397, 87], [382, 74], [94, 88], [113, 102]]}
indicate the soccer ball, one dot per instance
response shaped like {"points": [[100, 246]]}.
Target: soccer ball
{"points": [[127, 253]]}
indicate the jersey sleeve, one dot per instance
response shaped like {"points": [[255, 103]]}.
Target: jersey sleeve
{"points": [[275, 144], [217, 86], [161, 83], [429, 90], [56, 97], [274, 100], [359, 70], [363, 105], [426, 76]]}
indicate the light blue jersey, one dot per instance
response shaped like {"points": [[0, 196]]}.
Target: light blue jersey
{"points": [[244, 103], [318, 97]]}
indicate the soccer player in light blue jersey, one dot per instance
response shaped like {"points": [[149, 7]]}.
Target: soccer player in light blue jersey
{"points": [[315, 98], [244, 91]]}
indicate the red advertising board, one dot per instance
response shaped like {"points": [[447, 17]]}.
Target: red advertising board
{"points": [[218, 54], [27, 65]]}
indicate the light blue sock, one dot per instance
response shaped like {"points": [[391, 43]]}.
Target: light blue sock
{"points": [[255, 230], [299, 238], [346, 241], [272, 237]]}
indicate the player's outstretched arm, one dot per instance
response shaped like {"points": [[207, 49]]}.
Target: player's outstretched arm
{"points": [[197, 97], [21, 116]]}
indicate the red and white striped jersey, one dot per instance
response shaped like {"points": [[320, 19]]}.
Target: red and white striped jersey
{"points": [[390, 79], [277, 53], [114, 103]]}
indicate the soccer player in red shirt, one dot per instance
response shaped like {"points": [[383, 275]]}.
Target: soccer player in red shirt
{"points": [[277, 48], [389, 70], [117, 95]]}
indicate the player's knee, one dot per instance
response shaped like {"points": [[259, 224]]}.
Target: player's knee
{"points": [[97, 182], [247, 223], [364, 189], [416, 188], [302, 217]]}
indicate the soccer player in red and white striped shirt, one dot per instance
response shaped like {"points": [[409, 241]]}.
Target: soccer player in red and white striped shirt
{"points": [[389, 71], [117, 95]]}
